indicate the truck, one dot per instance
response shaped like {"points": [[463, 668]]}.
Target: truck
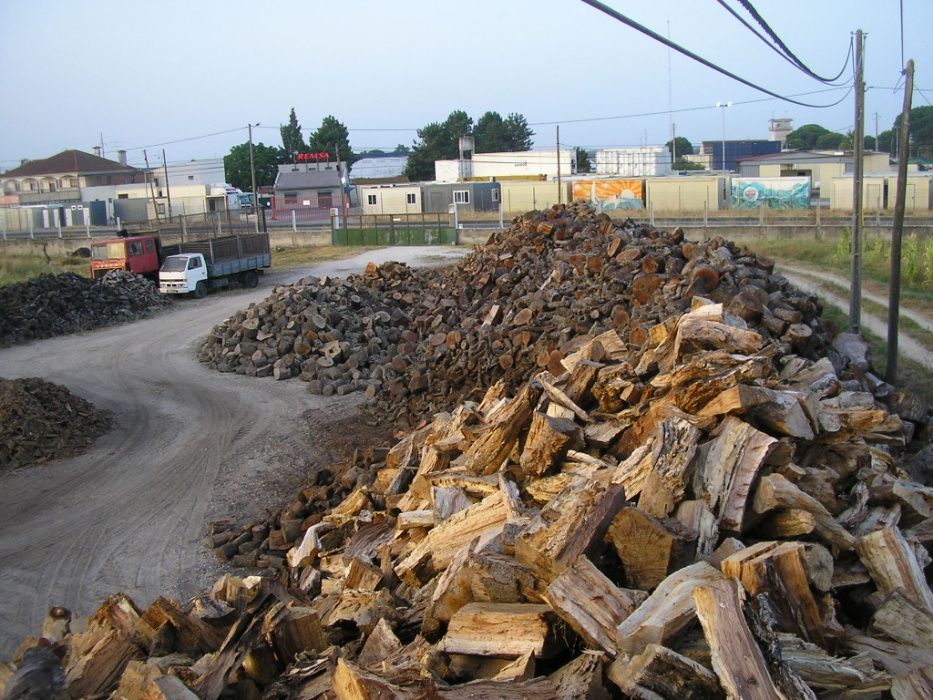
{"points": [[187, 267]]}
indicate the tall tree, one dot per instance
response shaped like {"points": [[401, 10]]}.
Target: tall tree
{"points": [[684, 147], [805, 137], [518, 133], [293, 142], [490, 133], [885, 141], [831, 141], [331, 135], [236, 165], [437, 141], [583, 161], [920, 129]]}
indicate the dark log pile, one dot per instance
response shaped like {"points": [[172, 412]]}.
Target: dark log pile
{"points": [[41, 421], [50, 305], [704, 514]]}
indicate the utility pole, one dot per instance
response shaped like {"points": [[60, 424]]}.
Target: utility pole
{"points": [[673, 144], [855, 295], [897, 230], [876, 131], [343, 205], [155, 208], [560, 195], [252, 172], [168, 191]]}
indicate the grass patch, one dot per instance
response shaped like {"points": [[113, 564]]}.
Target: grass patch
{"points": [[286, 258], [911, 376], [835, 255], [19, 268]]}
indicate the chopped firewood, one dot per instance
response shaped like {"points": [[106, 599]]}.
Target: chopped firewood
{"points": [[415, 518], [547, 439], [380, 643], [915, 685], [506, 630], [903, 621], [894, 567], [582, 678], [648, 548], [667, 612], [591, 604], [737, 660], [447, 501], [659, 672], [487, 453]]}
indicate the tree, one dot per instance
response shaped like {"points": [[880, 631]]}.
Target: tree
{"points": [[518, 133], [330, 137], [401, 150], [490, 133], [681, 164], [870, 143], [266, 159], [805, 137], [583, 161], [293, 142], [831, 141], [920, 128], [437, 141], [885, 141], [684, 147]]}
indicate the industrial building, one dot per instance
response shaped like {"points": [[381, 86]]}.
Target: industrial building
{"points": [[734, 151], [437, 197], [492, 166], [879, 192], [820, 166]]}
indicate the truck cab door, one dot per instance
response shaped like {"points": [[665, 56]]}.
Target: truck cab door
{"points": [[197, 271]]}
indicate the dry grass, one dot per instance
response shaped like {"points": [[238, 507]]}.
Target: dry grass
{"points": [[285, 258], [19, 268]]}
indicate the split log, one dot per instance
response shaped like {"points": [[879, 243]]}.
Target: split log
{"points": [[506, 630], [487, 453], [659, 672], [903, 621], [894, 567], [648, 548], [547, 439], [737, 660], [380, 644]]}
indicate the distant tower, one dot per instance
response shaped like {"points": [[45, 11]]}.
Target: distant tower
{"points": [[779, 129]]}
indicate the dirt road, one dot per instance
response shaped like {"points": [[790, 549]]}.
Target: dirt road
{"points": [[189, 445]]}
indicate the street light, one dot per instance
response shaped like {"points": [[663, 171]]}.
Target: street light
{"points": [[723, 105], [252, 173]]}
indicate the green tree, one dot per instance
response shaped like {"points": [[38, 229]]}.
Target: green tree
{"points": [[681, 164], [831, 141], [920, 129], [293, 142], [266, 158], [805, 137], [870, 143], [330, 137], [684, 147], [401, 150], [583, 161], [490, 133], [885, 141], [518, 133], [437, 141]]}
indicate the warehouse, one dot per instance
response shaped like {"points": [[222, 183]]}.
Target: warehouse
{"points": [[693, 193]]}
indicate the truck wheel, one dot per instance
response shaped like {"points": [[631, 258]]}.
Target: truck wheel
{"points": [[200, 290], [251, 279]]}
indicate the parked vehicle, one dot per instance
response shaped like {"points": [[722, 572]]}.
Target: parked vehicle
{"points": [[190, 267]]}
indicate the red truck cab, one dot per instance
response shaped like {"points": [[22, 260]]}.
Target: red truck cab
{"points": [[139, 254]]}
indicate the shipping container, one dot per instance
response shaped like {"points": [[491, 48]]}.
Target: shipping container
{"points": [[771, 192]]}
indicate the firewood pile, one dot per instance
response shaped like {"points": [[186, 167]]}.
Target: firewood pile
{"points": [[50, 305], [421, 341], [41, 421], [705, 514]]}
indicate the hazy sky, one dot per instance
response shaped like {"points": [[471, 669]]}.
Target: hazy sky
{"points": [[143, 74]]}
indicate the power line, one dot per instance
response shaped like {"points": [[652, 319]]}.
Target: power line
{"points": [[778, 51], [777, 40], [686, 52], [190, 138]]}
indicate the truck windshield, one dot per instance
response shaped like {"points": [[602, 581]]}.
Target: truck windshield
{"points": [[109, 251], [175, 263]]}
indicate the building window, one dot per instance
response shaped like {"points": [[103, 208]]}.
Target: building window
{"points": [[191, 177], [371, 199], [160, 208], [123, 196], [410, 198], [461, 196], [291, 199], [495, 195]]}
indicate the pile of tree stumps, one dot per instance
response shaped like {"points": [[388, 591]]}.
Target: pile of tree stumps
{"points": [[50, 305], [662, 478], [41, 421]]}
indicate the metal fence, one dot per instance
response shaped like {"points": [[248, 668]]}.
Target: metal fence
{"points": [[398, 229]]}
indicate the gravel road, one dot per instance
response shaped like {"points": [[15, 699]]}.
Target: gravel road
{"points": [[190, 445]]}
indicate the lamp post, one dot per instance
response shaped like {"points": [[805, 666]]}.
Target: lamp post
{"points": [[252, 173], [722, 106]]}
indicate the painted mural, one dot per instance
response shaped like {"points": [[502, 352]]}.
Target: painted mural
{"points": [[611, 194], [772, 192]]}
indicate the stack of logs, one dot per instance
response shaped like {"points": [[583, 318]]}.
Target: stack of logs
{"points": [[703, 516], [421, 341], [50, 305], [41, 421]]}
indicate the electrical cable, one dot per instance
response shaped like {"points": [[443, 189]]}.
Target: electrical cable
{"points": [[777, 40], [699, 59], [778, 51], [190, 138]]}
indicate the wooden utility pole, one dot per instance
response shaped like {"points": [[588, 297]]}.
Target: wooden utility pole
{"points": [[252, 173], [168, 191], [560, 194], [155, 208], [344, 212], [897, 230], [855, 294]]}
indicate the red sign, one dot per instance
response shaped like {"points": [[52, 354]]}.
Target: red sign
{"points": [[313, 156]]}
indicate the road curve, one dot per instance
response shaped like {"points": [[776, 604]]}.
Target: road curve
{"points": [[130, 514]]}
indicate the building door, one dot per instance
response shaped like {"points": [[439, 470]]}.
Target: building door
{"points": [[98, 213], [325, 200], [438, 205]]}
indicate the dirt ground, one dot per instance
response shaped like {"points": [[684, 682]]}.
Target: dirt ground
{"points": [[189, 445]]}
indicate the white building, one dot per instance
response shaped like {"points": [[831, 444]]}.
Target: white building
{"points": [[206, 171], [644, 161], [525, 164]]}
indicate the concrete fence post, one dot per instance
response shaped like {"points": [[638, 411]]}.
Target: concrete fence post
{"points": [[294, 222], [706, 214], [819, 219], [761, 215], [32, 223], [184, 229], [119, 224], [58, 224], [87, 222]]}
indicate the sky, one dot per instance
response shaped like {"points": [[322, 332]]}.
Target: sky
{"points": [[163, 74]]}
